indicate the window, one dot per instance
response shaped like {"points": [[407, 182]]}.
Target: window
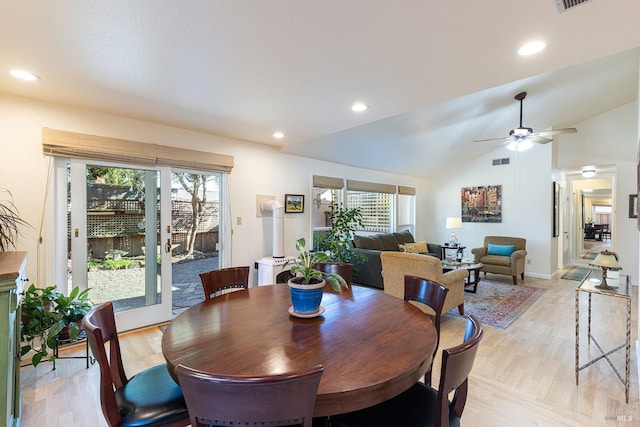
{"points": [[376, 209]]}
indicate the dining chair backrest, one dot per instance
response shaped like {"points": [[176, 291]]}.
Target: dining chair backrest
{"points": [[216, 282], [276, 400], [149, 398], [343, 270], [457, 363], [431, 294]]}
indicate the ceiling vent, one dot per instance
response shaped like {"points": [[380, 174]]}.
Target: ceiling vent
{"points": [[499, 162], [564, 5]]}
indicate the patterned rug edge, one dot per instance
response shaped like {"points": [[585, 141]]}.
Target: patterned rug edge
{"points": [[502, 315]]}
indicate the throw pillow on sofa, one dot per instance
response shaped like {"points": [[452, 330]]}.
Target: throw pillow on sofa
{"points": [[502, 250], [415, 248]]}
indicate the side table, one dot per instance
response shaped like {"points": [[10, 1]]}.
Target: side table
{"points": [[447, 247], [623, 290]]}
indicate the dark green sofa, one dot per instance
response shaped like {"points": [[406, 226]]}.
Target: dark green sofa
{"points": [[369, 271]]}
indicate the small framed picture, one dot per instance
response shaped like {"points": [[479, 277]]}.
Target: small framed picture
{"points": [[293, 203]]}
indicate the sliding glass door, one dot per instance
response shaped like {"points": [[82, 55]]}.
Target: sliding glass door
{"points": [[119, 238]]}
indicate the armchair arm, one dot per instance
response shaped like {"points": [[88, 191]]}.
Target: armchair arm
{"points": [[516, 255], [451, 277], [478, 253]]}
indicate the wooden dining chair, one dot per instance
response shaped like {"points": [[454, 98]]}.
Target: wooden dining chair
{"points": [[217, 282], [343, 270], [224, 400], [421, 405], [431, 294], [149, 398]]}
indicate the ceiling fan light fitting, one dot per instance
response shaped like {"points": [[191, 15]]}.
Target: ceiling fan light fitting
{"points": [[520, 144]]}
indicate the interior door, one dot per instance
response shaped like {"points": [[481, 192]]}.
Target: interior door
{"points": [[119, 232]]}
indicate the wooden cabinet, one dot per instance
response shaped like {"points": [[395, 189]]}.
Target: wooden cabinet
{"points": [[12, 277]]}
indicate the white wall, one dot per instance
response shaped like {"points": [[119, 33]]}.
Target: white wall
{"points": [[526, 203], [609, 141], [259, 169]]}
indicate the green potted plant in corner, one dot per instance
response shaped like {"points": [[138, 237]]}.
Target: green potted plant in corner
{"points": [[337, 242], [307, 282], [37, 320], [68, 312], [49, 316]]}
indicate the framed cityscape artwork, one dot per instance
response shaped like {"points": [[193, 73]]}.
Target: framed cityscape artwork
{"points": [[482, 204]]}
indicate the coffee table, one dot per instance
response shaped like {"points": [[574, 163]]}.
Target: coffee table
{"points": [[474, 268]]}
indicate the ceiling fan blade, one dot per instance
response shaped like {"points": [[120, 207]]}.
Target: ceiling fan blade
{"points": [[491, 139], [546, 133], [541, 140]]}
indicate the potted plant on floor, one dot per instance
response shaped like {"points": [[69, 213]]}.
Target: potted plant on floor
{"points": [[49, 316], [307, 282], [37, 320], [68, 312], [337, 242]]}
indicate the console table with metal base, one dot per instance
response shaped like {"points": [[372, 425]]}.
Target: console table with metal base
{"points": [[622, 290]]}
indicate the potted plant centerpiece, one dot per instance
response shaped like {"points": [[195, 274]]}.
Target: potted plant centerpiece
{"points": [[307, 282]]}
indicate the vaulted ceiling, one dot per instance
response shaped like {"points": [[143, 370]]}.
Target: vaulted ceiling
{"points": [[435, 75]]}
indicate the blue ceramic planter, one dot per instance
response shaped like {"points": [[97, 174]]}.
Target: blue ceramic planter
{"points": [[306, 299]]}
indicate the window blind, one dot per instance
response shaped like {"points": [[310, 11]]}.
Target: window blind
{"points": [[370, 187], [93, 147], [328, 182], [408, 191]]}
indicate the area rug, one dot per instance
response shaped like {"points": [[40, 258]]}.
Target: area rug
{"points": [[498, 304], [575, 273], [589, 255]]}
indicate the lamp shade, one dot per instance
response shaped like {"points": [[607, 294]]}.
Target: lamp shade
{"points": [[606, 259], [453, 222]]}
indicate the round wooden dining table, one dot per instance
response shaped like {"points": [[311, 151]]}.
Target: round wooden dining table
{"points": [[372, 345]]}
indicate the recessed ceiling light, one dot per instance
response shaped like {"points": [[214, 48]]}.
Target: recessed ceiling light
{"points": [[531, 48], [278, 135], [359, 107], [24, 75]]}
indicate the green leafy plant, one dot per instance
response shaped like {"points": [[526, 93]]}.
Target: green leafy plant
{"points": [[337, 242], [37, 320], [304, 271], [10, 221], [68, 311], [46, 312]]}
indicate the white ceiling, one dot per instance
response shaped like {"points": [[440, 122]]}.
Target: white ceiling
{"points": [[435, 74]]}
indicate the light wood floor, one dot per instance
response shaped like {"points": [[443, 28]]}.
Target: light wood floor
{"points": [[523, 376]]}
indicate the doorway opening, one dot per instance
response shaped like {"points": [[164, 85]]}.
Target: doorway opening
{"points": [[593, 221]]}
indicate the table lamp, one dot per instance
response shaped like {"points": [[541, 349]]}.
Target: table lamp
{"points": [[606, 260], [453, 223]]}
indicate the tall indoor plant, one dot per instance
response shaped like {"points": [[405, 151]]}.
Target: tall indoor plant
{"points": [[307, 282], [336, 243]]}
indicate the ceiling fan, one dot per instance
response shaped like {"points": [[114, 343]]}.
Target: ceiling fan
{"points": [[522, 138]]}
